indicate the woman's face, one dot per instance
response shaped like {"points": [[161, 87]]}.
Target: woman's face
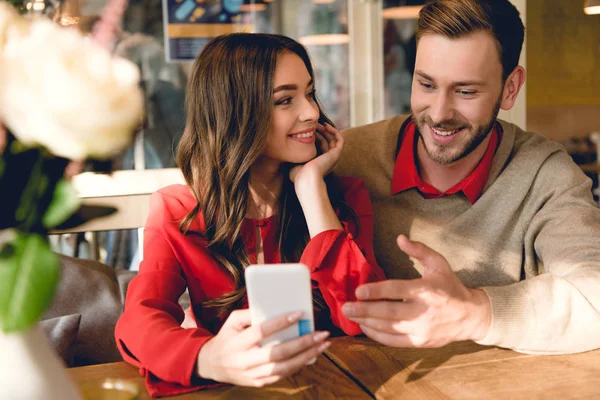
{"points": [[295, 113]]}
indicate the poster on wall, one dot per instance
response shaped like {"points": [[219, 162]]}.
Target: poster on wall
{"points": [[191, 24]]}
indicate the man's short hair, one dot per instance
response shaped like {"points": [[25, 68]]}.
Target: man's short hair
{"points": [[458, 18]]}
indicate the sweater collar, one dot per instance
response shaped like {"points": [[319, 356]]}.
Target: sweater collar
{"points": [[501, 158], [406, 175]]}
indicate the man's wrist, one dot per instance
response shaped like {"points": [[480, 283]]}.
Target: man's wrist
{"points": [[482, 314]]}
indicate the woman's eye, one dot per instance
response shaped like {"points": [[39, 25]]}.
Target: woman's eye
{"points": [[284, 101], [312, 94]]}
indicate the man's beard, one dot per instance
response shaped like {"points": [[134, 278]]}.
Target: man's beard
{"points": [[444, 154]]}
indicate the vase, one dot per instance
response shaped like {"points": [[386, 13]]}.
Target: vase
{"points": [[31, 370]]}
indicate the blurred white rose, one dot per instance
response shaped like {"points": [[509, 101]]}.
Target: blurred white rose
{"points": [[62, 91], [10, 22]]}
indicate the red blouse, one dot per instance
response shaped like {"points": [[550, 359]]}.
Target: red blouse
{"points": [[149, 334]]}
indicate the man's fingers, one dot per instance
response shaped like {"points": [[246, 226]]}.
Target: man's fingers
{"points": [[387, 339], [387, 310], [392, 289], [426, 255], [414, 249], [253, 335], [384, 325], [432, 261], [284, 351]]}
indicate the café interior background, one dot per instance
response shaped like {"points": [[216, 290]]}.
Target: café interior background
{"points": [[562, 57]]}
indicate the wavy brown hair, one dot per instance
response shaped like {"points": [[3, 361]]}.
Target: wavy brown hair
{"points": [[229, 106]]}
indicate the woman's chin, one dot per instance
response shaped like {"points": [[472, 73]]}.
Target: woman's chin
{"points": [[303, 158]]}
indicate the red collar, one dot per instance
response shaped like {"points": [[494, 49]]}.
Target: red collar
{"points": [[406, 176]]}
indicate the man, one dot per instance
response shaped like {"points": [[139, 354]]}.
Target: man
{"points": [[499, 234]]}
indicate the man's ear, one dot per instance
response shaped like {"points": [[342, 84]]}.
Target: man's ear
{"points": [[512, 87]]}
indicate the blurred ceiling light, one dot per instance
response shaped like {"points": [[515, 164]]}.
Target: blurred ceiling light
{"points": [[36, 5], [325, 28], [325, 39], [591, 7], [323, 1], [253, 6], [402, 9], [402, 12]]}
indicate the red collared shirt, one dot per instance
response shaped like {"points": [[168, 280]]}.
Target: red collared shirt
{"points": [[406, 176]]}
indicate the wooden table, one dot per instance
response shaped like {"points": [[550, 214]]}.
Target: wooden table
{"points": [[358, 368], [322, 380], [466, 370]]}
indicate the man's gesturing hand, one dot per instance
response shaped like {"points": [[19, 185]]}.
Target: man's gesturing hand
{"points": [[427, 312]]}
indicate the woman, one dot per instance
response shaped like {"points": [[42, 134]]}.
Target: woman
{"points": [[258, 191]]}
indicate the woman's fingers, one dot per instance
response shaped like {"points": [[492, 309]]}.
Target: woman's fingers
{"points": [[323, 142], [288, 367], [238, 320], [333, 135], [256, 333], [284, 351]]}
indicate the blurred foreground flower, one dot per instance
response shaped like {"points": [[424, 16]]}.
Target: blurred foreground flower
{"points": [[62, 97]]}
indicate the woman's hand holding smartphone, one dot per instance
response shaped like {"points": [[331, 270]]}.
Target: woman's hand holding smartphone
{"points": [[234, 355]]}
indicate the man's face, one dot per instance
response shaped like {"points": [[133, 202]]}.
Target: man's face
{"points": [[456, 94]]}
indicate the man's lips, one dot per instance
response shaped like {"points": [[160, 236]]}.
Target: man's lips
{"points": [[444, 136], [444, 132]]}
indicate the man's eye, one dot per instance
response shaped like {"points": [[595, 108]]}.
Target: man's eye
{"points": [[467, 92], [426, 85]]}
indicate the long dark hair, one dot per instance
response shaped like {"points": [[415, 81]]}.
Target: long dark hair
{"points": [[229, 107]]}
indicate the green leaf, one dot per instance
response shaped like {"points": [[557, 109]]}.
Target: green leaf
{"points": [[27, 213], [64, 203], [17, 147], [29, 273]]}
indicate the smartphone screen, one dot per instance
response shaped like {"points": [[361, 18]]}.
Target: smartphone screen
{"points": [[276, 289]]}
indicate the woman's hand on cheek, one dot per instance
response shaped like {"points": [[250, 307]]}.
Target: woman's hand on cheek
{"points": [[234, 355], [331, 143]]}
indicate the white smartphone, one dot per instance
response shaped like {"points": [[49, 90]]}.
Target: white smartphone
{"points": [[276, 289]]}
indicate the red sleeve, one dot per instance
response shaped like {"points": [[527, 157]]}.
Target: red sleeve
{"points": [[148, 334], [341, 260]]}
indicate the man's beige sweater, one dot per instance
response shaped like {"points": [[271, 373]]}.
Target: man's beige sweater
{"points": [[531, 241]]}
